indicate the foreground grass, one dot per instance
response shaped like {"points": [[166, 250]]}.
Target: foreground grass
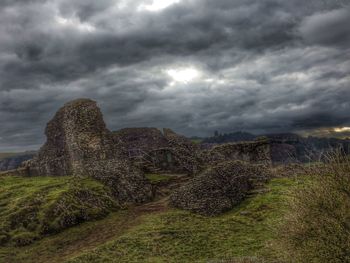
{"points": [[316, 227], [71, 242], [31, 208], [141, 235], [178, 236]]}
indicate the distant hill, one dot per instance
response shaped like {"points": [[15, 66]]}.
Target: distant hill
{"points": [[6, 155], [10, 161], [286, 147], [230, 137]]}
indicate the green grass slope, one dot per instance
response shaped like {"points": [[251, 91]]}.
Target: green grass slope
{"points": [[179, 236], [156, 233], [31, 208]]}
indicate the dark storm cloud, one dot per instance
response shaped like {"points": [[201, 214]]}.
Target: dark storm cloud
{"points": [[56, 53], [84, 9], [265, 66], [327, 28]]}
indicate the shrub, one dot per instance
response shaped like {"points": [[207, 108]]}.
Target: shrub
{"points": [[317, 226], [24, 239], [3, 238]]}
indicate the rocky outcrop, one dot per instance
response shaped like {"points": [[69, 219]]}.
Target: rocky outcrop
{"points": [[79, 144], [218, 189], [255, 152]]}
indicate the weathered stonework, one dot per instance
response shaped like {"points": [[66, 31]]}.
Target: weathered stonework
{"points": [[253, 152], [79, 144], [16, 172], [219, 188], [184, 151], [169, 151], [165, 151], [126, 181], [146, 139], [76, 136]]}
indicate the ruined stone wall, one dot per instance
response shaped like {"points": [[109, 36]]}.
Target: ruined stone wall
{"points": [[77, 135], [184, 151], [169, 150], [146, 139], [253, 152], [79, 144], [16, 172], [283, 153], [185, 155], [219, 188]]}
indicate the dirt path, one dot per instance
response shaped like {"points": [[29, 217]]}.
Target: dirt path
{"points": [[87, 236], [110, 230]]}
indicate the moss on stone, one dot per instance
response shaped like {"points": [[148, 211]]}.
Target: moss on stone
{"points": [[34, 207]]}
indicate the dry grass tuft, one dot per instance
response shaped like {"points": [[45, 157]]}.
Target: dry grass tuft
{"points": [[317, 227]]}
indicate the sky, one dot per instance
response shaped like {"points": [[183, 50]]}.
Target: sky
{"points": [[195, 66]]}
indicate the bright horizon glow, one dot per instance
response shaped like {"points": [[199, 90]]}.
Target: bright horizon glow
{"points": [[183, 75], [159, 5], [343, 129]]}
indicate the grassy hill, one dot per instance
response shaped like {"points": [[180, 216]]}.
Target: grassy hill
{"points": [[32, 208], [152, 232]]}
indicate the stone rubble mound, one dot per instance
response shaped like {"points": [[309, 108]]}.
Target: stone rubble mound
{"points": [[219, 188]]}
